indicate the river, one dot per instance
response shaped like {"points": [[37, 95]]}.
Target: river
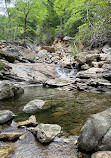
{"points": [[69, 109]]}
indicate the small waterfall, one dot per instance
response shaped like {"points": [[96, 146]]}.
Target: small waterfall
{"points": [[65, 72]]}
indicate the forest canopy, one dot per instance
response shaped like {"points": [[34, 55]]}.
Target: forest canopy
{"points": [[39, 21]]}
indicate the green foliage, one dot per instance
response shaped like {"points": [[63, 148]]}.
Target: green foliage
{"points": [[96, 29], [39, 21], [2, 65]]}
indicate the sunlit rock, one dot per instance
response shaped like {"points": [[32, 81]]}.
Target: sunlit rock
{"points": [[30, 122], [45, 133], [10, 135]]}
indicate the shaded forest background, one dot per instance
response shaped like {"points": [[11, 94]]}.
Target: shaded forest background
{"points": [[39, 21]]}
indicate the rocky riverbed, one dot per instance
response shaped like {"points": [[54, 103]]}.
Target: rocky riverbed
{"points": [[56, 67]]}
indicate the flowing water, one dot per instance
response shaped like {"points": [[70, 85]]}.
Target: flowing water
{"points": [[69, 109], [65, 72]]}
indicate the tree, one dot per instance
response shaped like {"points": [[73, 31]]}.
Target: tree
{"points": [[96, 27]]}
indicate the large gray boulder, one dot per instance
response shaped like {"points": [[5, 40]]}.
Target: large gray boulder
{"points": [[33, 106], [8, 90], [45, 133], [6, 115], [96, 133], [102, 154]]}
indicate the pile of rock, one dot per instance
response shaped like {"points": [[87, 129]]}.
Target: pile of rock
{"points": [[45, 133], [95, 70]]}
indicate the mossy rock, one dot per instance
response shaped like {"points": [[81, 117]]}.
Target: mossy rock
{"points": [[2, 65]]}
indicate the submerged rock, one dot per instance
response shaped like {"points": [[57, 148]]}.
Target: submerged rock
{"points": [[33, 106], [10, 135], [45, 133], [96, 133], [6, 115], [102, 154], [5, 150]]}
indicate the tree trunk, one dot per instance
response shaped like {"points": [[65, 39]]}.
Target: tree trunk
{"points": [[25, 27], [61, 26]]}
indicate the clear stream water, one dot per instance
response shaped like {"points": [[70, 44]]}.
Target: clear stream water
{"points": [[69, 109]]}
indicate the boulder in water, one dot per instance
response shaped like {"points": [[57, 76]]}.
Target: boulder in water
{"points": [[8, 90], [6, 115], [33, 106], [45, 133]]}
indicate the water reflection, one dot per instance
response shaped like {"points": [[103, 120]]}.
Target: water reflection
{"points": [[68, 109]]}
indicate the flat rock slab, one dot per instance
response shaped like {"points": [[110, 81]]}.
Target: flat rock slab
{"points": [[38, 72], [33, 106], [30, 122], [102, 154], [6, 115], [10, 136], [57, 83]]}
